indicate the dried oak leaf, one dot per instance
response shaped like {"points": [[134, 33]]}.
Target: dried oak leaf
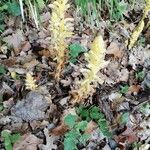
{"points": [[27, 142], [128, 136], [139, 55], [134, 89], [49, 141], [15, 40], [31, 64], [60, 130], [115, 49]]}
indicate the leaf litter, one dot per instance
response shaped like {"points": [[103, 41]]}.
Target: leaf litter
{"points": [[123, 96]]}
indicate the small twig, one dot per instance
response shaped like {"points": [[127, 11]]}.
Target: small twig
{"points": [[139, 105]]}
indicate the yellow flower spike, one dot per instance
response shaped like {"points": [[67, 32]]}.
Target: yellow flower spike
{"points": [[95, 58], [13, 74], [30, 82], [137, 31], [61, 29]]}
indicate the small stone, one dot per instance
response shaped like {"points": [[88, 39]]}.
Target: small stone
{"points": [[146, 82], [147, 63], [112, 144]]}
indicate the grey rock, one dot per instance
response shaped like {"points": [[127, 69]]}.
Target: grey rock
{"points": [[147, 63], [112, 144], [31, 108], [146, 82]]}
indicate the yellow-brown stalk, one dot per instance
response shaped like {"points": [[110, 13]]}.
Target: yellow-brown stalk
{"points": [[95, 59], [61, 29], [139, 28]]}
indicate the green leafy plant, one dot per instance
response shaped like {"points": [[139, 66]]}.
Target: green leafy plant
{"points": [[9, 139], [75, 50], [16, 8], [124, 89], [92, 10], [93, 113], [2, 70], [136, 145], [13, 8], [8, 7], [141, 41], [1, 107], [145, 109], [116, 9], [88, 9], [139, 75], [124, 118], [76, 133]]}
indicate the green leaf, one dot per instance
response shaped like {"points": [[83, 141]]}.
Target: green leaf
{"points": [[72, 135], [122, 7], [2, 70], [2, 27], [124, 118], [139, 75], [75, 50], [5, 134], [15, 137], [14, 8], [81, 125], [71, 139], [102, 123], [83, 112], [70, 120], [84, 138], [3, 7], [7, 141], [41, 4], [95, 113], [69, 144], [1, 98], [145, 109], [124, 89], [1, 107]]}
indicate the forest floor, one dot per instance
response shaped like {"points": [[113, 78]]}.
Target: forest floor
{"points": [[36, 118]]}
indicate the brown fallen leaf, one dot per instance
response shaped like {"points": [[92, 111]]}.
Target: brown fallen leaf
{"points": [[44, 52], [45, 17], [15, 40], [134, 89], [60, 130], [41, 51], [115, 49], [31, 64], [129, 136], [90, 127], [123, 75], [9, 62], [25, 46], [27, 142]]}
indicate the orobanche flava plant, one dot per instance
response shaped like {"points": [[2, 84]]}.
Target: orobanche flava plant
{"points": [[139, 28], [95, 59], [61, 29], [30, 82]]}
